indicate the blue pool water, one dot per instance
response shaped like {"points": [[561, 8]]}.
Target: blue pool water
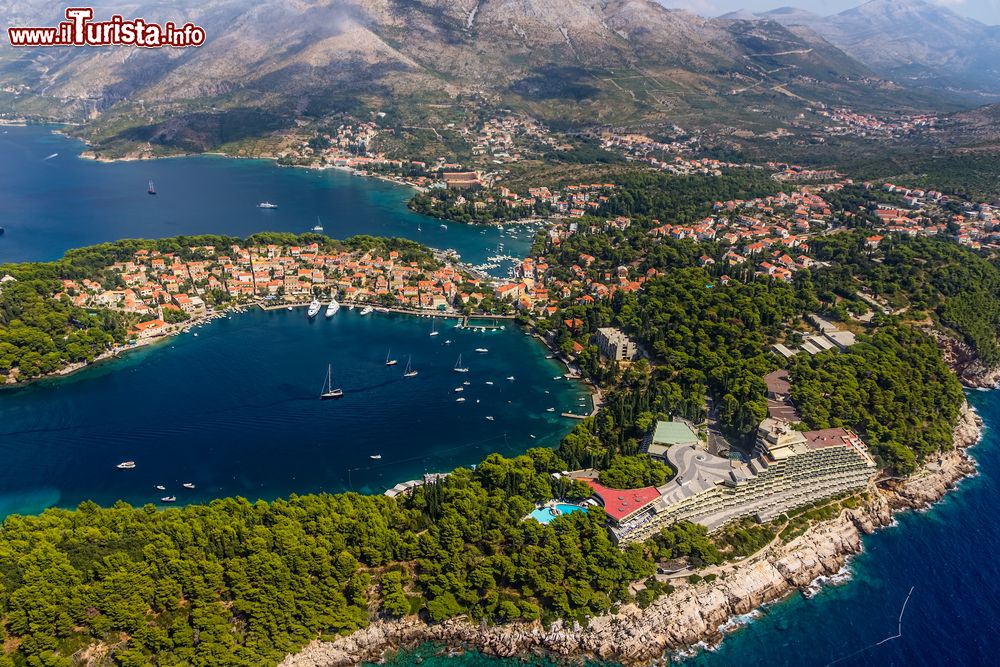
{"points": [[543, 515]]}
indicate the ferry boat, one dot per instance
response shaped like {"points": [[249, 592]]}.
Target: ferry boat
{"points": [[266, 204], [188, 485], [332, 309], [367, 310], [314, 308], [152, 188], [168, 499], [388, 361], [375, 457], [328, 390], [409, 372], [459, 368], [126, 465]]}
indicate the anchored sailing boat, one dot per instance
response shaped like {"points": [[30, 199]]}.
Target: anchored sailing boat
{"points": [[409, 372], [328, 390], [152, 188], [388, 360], [434, 331], [459, 368]]}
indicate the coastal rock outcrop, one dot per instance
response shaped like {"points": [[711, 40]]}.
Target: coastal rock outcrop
{"points": [[690, 615]]}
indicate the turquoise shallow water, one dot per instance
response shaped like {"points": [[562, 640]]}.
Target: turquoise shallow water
{"points": [[947, 555]]}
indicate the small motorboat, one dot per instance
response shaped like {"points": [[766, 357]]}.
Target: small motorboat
{"points": [[160, 487], [458, 389], [375, 457], [489, 418], [168, 499], [489, 382], [551, 410], [460, 400], [188, 485], [482, 350], [126, 465], [510, 378]]}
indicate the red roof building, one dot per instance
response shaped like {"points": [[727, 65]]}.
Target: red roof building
{"points": [[620, 504]]}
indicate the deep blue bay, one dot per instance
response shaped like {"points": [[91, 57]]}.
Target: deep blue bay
{"points": [[52, 205], [232, 406]]}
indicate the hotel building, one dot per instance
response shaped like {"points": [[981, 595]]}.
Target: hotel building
{"points": [[789, 469]]}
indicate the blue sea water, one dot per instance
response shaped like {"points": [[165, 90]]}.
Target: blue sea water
{"points": [[51, 205], [948, 555], [233, 407]]}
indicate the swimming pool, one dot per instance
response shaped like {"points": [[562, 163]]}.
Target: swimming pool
{"points": [[544, 515]]}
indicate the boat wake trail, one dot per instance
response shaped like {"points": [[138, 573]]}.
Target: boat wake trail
{"points": [[899, 633]]}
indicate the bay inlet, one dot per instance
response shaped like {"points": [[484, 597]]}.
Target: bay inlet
{"points": [[232, 406]]}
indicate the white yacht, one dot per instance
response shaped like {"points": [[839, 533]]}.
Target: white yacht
{"points": [[126, 465], [314, 308], [367, 310], [409, 372], [160, 487], [266, 204], [459, 368], [388, 360], [482, 350], [375, 457], [168, 499], [489, 417], [332, 309], [188, 485]]}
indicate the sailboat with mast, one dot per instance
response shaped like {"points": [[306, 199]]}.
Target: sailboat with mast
{"points": [[389, 361], [409, 372], [152, 188], [328, 390], [459, 368], [434, 331]]}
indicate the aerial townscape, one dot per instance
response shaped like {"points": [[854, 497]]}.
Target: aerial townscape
{"points": [[721, 291]]}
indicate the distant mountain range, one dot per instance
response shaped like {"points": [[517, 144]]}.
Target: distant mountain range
{"points": [[266, 64], [912, 42]]}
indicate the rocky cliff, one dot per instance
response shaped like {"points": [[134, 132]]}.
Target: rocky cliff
{"points": [[692, 614]]}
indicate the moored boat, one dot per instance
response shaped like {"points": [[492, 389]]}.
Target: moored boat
{"points": [[314, 308], [126, 465]]}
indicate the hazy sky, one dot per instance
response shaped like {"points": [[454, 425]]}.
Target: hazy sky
{"points": [[987, 11]]}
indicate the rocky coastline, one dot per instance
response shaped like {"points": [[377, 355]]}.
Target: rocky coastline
{"points": [[691, 615]]}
